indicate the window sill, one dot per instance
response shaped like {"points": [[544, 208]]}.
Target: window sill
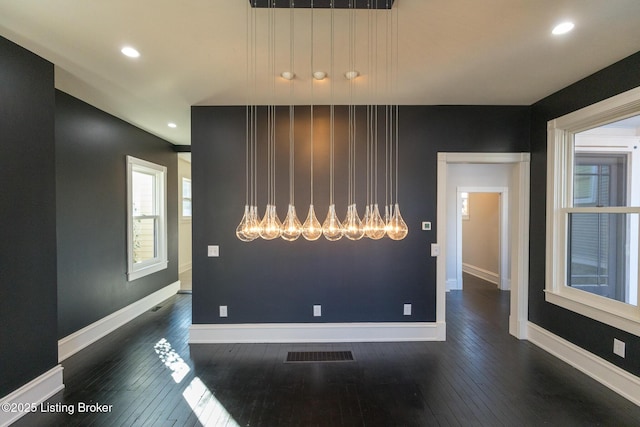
{"points": [[624, 321], [153, 268]]}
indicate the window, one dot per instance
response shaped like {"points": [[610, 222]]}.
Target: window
{"points": [[147, 212], [186, 198], [465, 205], [593, 211]]}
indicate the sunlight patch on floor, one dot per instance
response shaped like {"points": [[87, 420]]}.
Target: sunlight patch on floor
{"points": [[172, 360], [205, 406]]}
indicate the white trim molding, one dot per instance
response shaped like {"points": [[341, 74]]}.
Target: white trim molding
{"points": [[519, 245], [481, 273], [316, 332], [34, 392], [606, 373], [561, 148], [71, 344]]}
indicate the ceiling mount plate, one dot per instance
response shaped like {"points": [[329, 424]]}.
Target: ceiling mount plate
{"points": [[324, 4]]}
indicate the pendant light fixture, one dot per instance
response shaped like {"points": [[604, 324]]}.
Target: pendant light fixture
{"points": [[353, 228], [372, 224], [331, 227], [248, 229], [375, 226], [311, 229], [291, 227], [271, 227], [396, 227]]}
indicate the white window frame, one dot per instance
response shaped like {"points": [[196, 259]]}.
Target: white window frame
{"points": [[160, 262], [560, 151]]}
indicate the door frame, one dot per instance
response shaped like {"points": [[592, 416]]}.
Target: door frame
{"points": [[518, 316]]}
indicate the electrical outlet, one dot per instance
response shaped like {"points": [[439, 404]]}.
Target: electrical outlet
{"points": [[223, 311], [317, 310], [213, 251], [407, 310], [618, 347]]}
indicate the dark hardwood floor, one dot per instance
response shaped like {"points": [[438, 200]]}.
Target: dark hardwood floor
{"points": [[481, 376]]}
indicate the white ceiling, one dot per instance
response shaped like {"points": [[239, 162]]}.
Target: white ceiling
{"points": [[455, 52]]}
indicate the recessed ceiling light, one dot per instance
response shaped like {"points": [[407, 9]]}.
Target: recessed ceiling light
{"points": [[563, 28], [172, 125], [130, 52]]}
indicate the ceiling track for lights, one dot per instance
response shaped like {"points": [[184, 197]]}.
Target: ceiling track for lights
{"points": [[323, 4]]}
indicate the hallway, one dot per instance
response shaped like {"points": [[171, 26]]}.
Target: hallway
{"points": [[480, 376]]}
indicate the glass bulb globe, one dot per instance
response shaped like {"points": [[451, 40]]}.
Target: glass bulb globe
{"points": [[331, 228], [387, 217], [311, 229], [243, 230], [254, 226], [376, 225], [270, 227], [291, 227], [397, 228], [366, 219], [353, 229]]}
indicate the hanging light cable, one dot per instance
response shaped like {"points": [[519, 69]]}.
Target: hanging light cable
{"points": [[388, 119], [271, 227], [332, 228], [253, 210], [376, 225], [291, 227], [246, 230], [353, 228], [311, 229], [396, 227]]}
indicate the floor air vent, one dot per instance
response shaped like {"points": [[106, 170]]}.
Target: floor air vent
{"points": [[319, 356]]}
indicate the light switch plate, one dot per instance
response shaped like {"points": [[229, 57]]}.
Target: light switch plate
{"points": [[213, 251], [618, 347], [435, 249], [426, 225]]}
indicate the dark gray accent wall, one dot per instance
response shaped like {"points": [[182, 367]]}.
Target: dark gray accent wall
{"points": [[591, 335], [364, 281], [91, 148], [28, 344]]}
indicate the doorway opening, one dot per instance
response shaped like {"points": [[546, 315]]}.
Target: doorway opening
{"points": [[184, 225], [482, 230], [515, 207]]}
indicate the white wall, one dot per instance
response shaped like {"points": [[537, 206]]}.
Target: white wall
{"points": [[471, 175], [184, 228]]}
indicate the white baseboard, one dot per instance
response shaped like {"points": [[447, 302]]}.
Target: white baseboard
{"points": [[481, 273], [317, 332], [185, 267], [608, 374], [34, 392], [78, 340]]}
